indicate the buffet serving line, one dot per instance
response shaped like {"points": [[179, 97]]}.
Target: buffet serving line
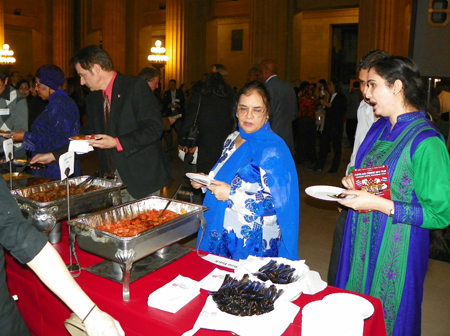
{"points": [[45, 314], [128, 263]]}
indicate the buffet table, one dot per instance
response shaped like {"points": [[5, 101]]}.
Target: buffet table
{"points": [[44, 313]]}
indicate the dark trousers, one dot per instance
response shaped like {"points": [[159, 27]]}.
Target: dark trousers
{"points": [[336, 247], [331, 136], [350, 129], [306, 139]]}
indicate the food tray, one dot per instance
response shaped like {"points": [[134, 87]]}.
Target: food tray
{"points": [[45, 214], [126, 250]]}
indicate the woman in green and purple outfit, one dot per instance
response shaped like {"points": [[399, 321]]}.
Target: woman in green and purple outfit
{"points": [[385, 251]]}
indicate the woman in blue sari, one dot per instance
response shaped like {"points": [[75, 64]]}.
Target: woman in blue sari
{"points": [[254, 199], [385, 251]]}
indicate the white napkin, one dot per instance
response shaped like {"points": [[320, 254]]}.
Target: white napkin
{"points": [[338, 314], [213, 280], [174, 295], [181, 155], [273, 323], [80, 147]]}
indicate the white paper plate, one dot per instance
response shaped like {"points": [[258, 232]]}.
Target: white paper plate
{"points": [[202, 179], [351, 301], [323, 192]]}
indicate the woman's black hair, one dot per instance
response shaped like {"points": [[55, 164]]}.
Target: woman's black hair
{"points": [[404, 69], [324, 83], [215, 84], [248, 89]]}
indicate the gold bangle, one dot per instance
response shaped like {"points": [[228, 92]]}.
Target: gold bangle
{"points": [[90, 311]]}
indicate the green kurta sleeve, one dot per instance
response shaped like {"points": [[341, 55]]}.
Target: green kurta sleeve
{"points": [[431, 167]]}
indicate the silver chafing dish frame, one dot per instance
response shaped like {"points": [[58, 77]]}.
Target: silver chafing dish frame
{"points": [[127, 250], [45, 215]]}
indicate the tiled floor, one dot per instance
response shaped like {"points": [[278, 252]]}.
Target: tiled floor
{"points": [[317, 222]]}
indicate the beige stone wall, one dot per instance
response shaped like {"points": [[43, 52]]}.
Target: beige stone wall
{"points": [[237, 62], [315, 36]]}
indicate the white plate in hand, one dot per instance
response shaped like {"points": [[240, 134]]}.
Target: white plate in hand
{"points": [[326, 193], [202, 179]]}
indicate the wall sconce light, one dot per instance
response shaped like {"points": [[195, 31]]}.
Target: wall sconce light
{"points": [[6, 56], [158, 53]]}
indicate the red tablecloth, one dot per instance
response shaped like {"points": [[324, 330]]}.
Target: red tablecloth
{"points": [[45, 313]]}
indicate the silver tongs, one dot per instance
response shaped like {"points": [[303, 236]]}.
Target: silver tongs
{"points": [[170, 201], [88, 180]]}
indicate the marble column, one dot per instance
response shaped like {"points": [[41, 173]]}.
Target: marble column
{"points": [[385, 25], [114, 32], [269, 32], [62, 35], [175, 41]]}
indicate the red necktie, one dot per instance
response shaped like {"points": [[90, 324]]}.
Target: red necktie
{"points": [[106, 116]]}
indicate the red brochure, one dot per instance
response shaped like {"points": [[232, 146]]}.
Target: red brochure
{"points": [[374, 180]]}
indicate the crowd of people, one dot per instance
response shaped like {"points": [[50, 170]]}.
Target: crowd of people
{"points": [[249, 144]]}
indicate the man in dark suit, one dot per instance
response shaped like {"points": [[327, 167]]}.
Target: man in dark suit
{"points": [[173, 109], [333, 128], [283, 102], [130, 143]]}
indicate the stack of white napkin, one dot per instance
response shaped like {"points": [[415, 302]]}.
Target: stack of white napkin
{"points": [[339, 314], [174, 295]]}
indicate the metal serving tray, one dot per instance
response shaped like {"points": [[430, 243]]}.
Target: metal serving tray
{"points": [[127, 250], [44, 215]]}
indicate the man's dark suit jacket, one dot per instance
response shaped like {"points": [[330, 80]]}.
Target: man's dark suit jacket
{"points": [[167, 100], [136, 120], [283, 103], [334, 115]]}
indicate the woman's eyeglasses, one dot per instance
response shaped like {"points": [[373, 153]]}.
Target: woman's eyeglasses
{"points": [[256, 111]]}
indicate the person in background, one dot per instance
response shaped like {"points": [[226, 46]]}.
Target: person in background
{"points": [[24, 88], [31, 247], [36, 105], [351, 121], [220, 68], [283, 102], [152, 76], [55, 125], [386, 241], [321, 94], [214, 121], [14, 79], [14, 113], [173, 110], [254, 198], [333, 128], [306, 123], [252, 74]]}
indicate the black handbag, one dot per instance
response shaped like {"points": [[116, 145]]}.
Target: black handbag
{"points": [[192, 134]]}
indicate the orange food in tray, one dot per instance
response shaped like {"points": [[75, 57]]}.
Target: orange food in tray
{"points": [[141, 223]]}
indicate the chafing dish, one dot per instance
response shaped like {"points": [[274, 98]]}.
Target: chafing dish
{"points": [[127, 250], [45, 215], [19, 180]]}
